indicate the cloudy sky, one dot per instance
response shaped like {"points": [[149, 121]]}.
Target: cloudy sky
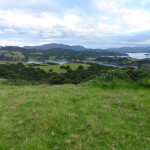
{"points": [[91, 23]]}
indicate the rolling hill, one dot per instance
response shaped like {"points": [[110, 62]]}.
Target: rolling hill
{"points": [[81, 48], [55, 45], [57, 53]]}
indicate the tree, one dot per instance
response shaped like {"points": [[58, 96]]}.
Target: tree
{"points": [[80, 67]]}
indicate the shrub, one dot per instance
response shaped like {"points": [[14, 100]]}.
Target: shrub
{"points": [[145, 82]]}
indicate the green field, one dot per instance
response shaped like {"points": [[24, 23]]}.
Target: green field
{"points": [[90, 59], [13, 62], [46, 67], [52, 57], [74, 117], [12, 55], [33, 58], [36, 53], [6, 62], [56, 68], [15, 54]]}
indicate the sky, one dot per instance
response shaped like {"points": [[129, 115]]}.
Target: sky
{"points": [[90, 23]]}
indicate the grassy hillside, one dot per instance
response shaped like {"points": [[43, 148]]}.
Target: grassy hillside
{"points": [[74, 117], [11, 55], [15, 55], [46, 67], [34, 56], [12, 62], [56, 68]]}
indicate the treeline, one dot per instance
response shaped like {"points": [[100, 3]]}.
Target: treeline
{"points": [[143, 63], [21, 72], [115, 60], [124, 61], [15, 72]]}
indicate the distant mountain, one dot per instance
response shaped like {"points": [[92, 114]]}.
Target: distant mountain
{"points": [[55, 45], [81, 48], [131, 49]]}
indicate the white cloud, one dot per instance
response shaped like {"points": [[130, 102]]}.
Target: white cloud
{"points": [[9, 31], [108, 28], [128, 20], [43, 21], [10, 42], [31, 5], [1, 31], [52, 34], [104, 20], [33, 32]]}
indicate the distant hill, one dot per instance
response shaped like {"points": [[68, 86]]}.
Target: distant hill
{"points": [[131, 49], [19, 53], [81, 48], [54, 45]]}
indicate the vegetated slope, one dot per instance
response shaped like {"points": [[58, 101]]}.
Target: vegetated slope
{"points": [[55, 53], [74, 117], [72, 74], [125, 61], [6, 55], [57, 68], [14, 53], [68, 54]]}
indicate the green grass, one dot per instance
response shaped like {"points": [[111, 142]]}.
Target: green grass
{"points": [[5, 62], [46, 67], [36, 53], [90, 59], [56, 68], [33, 58], [3, 52], [74, 117], [15, 55], [12, 62], [52, 57]]}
